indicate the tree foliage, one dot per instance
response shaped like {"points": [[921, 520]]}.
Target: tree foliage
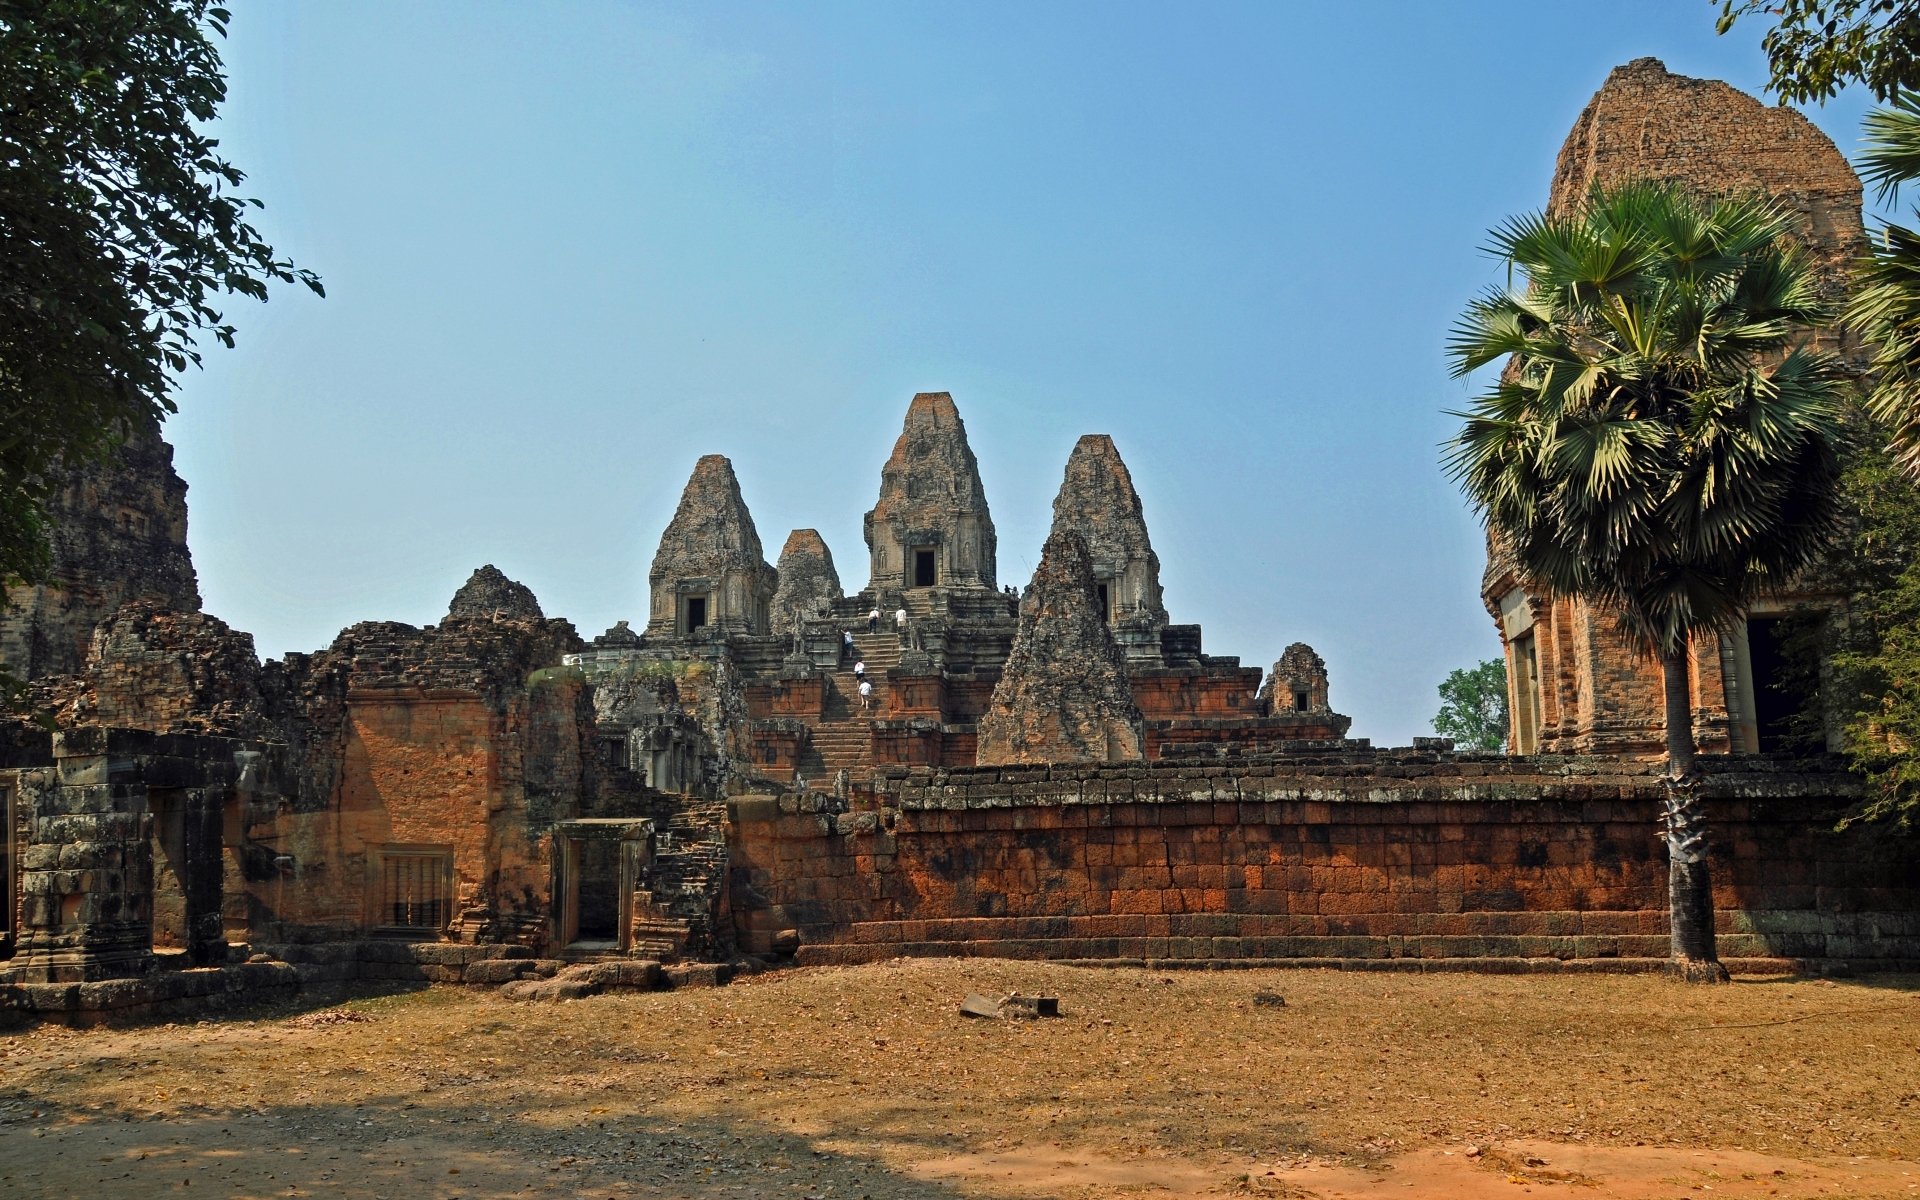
{"points": [[1885, 306], [1872, 649], [1661, 443], [120, 229], [1473, 706], [1817, 47]]}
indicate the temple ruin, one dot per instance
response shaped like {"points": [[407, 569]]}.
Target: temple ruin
{"points": [[1059, 771]]}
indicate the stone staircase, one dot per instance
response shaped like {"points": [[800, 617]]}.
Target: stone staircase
{"points": [[844, 737]]}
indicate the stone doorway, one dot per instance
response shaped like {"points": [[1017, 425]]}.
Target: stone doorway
{"points": [[1104, 601], [9, 889], [189, 865], [696, 607], [598, 865], [924, 568]]}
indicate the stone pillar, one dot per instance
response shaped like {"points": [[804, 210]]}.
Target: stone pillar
{"points": [[86, 879]]}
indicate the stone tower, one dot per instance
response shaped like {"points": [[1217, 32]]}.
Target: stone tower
{"points": [[1063, 696], [808, 582], [710, 572], [1097, 501], [1298, 682], [489, 595], [1648, 123], [119, 531], [930, 527], [1574, 684]]}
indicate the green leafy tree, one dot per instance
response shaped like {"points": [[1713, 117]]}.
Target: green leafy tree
{"points": [[120, 230], [1872, 648], [1817, 47], [1473, 706], [1660, 442]]}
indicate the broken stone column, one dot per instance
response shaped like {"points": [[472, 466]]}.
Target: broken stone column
{"points": [[710, 572], [808, 581], [86, 877], [1063, 696], [489, 595], [930, 526]]}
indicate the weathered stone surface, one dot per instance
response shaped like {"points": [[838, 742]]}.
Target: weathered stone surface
{"points": [[1298, 682], [808, 582], [119, 532], [931, 502], [489, 594], [1097, 501], [619, 636], [175, 672], [1063, 696], [1647, 123], [710, 570]]}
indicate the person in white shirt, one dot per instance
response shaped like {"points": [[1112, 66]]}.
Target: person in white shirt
{"points": [[860, 670], [900, 619], [873, 620], [866, 693]]}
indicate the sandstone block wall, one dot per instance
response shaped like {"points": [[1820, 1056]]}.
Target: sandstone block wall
{"points": [[1355, 859]]}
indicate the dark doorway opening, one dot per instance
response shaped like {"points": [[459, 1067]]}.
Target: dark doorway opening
{"points": [[696, 612], [1106, 605], [1302, 702], [599, 891], [923, 568], [1782, 684]]}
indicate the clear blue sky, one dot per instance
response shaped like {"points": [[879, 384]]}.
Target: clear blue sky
{"points": [[569, 248]]}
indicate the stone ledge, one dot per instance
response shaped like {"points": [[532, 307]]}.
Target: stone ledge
{"points": [[853, 955]]}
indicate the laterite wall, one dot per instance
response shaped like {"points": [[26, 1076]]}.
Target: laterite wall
{"points": [[1362, 858]]}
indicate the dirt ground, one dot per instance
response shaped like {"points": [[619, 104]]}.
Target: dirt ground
{"points": [[866, 1082]]}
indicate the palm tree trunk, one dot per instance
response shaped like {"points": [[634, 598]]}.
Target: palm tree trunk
{"points": [[1689, 887]]}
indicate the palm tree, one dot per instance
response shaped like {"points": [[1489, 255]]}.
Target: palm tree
{"points": [[1885, 308], [1660, 443]]}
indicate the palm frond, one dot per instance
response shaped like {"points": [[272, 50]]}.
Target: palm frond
{"points": [[1891, 155], [1658, 443]]}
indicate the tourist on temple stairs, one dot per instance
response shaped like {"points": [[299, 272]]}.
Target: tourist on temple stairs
{"points": [[900, 619], [866, 694], [846, 643], [860, 669], [873, 620]]}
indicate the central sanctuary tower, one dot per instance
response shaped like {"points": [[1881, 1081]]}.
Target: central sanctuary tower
{"points": [[930, 527]]}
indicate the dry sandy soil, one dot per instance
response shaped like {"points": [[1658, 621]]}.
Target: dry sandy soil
{"points": [[845, 1083]]}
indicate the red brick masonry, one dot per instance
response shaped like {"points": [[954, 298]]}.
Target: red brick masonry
{"points": [[1360, 859]]}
